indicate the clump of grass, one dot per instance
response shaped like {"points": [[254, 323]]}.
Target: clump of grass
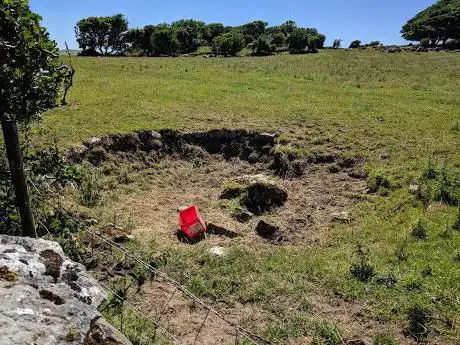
{"points": [[456, 225], [418, 318], [383, 339], [90, 189], [326, 334], [419, 230], [362, 270], [401, 251], [456, 126], [138, 329], [447, 233], [334, 168], [427, 272], [440, 184]]}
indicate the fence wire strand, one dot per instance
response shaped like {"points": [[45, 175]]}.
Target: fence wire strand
{"points": [[240, 331]]}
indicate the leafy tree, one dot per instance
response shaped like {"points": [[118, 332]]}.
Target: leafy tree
{"points": [[375, 44], [262, 47], [438, 23], [164, 42], [355, 44], [298, 41], [278, 39], [30, 79], [214, 30], [228, 44], [190, 34], [253, 30], [288, 27], [337, 44], [103, 35]]}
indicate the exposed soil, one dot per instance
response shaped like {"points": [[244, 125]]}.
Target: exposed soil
{"points": [[179, 169], [312, 202], [190, 168]]}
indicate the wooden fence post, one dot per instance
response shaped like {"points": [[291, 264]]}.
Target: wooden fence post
{"points": [[18, 178]]}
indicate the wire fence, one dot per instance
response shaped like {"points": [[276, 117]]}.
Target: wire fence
{"points": [[240, 333]]}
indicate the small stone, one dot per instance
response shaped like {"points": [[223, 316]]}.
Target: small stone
{"points": [[243, 216], [218, 251], [92, 142], [156, 135], [343, 217], [413, 188]]}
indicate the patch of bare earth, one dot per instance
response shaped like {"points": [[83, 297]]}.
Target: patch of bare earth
{"points": [[312, 202]]}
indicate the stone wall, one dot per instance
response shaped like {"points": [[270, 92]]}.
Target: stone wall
{"points": [[47, 299]]}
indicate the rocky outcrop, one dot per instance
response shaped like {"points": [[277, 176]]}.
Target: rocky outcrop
{"points": [[47, 298]]}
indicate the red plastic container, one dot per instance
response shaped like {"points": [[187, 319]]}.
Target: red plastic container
{"points": [[191, 223]]}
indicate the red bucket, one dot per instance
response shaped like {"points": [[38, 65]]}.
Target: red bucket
{"points": [[191, 223]]}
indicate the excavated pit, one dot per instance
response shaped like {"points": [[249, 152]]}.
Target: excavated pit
{"points": [[193, 167]]}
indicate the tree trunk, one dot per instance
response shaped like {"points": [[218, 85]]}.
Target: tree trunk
{"points": [[18, 178]]}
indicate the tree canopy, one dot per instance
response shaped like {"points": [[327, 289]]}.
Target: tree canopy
{"points": [[30, 70], [103, 35], [438, 23], [111, 36]]}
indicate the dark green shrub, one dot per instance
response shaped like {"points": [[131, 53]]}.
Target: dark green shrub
{"points": [[262, 47], [355, 44], [418, 322], [228, 44], [419, 230], [362, 270], [375, 44], [278, 39], [456, 225]]}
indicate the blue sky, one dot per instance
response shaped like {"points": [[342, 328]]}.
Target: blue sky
{"points": [[365, 20]]}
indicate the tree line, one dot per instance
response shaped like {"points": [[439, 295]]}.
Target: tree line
{"points": [[112, 36]]}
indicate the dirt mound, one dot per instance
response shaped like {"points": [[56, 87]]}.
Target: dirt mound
{"points": [[248, 146]]}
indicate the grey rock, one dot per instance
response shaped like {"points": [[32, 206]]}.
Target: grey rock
{"points": [[102, 333], [243, 216], [343, 217], [46, 297], [91, 142], [156, 135]]}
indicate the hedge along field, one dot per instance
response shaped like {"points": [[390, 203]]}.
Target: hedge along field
{"points": [[401, 112]]}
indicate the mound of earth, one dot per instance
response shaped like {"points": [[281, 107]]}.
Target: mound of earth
{"points": [[258, 193]]}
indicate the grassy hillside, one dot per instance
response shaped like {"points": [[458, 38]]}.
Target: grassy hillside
{"points": [[398, 112]]}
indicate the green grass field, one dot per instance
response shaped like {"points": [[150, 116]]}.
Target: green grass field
{"points": [[400, 112]]}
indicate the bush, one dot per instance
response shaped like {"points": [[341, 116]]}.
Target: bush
{"points": [[90, 189], [419, 230], [418, 319], [440, 184], [228, 44], [355, 44], [375, 44], [262, 47], [362, 270], [278, 39], [456, 225]]}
